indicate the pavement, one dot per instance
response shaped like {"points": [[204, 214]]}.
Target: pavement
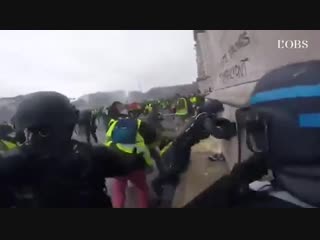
{"points": [[200, 175]]}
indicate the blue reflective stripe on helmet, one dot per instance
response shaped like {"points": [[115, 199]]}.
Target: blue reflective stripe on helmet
{"points": [[310, 120], [287, 93]]}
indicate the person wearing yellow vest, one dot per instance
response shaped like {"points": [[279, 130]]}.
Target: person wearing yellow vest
{"points": [[193, 99], [131, 136], [194, 102], [7, 140], [182, 107], [6, 145], [182, 111], [139, 144], [148, 108]]}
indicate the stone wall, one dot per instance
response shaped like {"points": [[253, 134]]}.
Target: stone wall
{"points": [[234, 60]]}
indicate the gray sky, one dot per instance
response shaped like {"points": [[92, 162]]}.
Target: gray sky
{"points": [[80, 62]]}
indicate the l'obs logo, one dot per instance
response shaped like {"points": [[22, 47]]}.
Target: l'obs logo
{"points": [[293, 44]]}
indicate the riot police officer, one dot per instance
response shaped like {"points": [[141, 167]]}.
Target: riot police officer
{"points": [[282, 131], [53, 169], [176, 154]]}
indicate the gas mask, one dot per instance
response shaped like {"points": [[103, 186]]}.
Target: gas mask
{"points": [[251, 128], [218, 127], [48, 138], [221, 128]]}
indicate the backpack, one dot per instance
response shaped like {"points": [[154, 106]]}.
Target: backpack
{"points": [[125, 131]]}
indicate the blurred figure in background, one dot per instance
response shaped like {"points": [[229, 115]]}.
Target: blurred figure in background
{"points": [[87, 124], [183, 110]]}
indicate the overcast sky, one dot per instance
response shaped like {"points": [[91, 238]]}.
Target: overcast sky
{"points": [[80, 62]]}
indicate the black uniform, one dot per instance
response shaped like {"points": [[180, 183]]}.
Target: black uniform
{"points": [[232, 190], [50, 169], [176, 160], [73, 177]]}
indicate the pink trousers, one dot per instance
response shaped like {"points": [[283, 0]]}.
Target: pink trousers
{"points": [[139, 180]]}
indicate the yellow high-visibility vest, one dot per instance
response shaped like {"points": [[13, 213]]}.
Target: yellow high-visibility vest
{"points": [[193, 100], [148, 108], [6, 145], [128, 148], [182, 107]]}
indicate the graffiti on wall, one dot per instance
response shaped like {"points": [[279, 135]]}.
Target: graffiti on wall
{"points": [[243, 41], [239, 69]]}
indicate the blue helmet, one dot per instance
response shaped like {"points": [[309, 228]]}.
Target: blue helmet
{"points": [[284, 121]]}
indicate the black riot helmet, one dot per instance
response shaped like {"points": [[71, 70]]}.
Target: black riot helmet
{"points": [[49, 116], [284, 122], [211, 106], [220, 128]]}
